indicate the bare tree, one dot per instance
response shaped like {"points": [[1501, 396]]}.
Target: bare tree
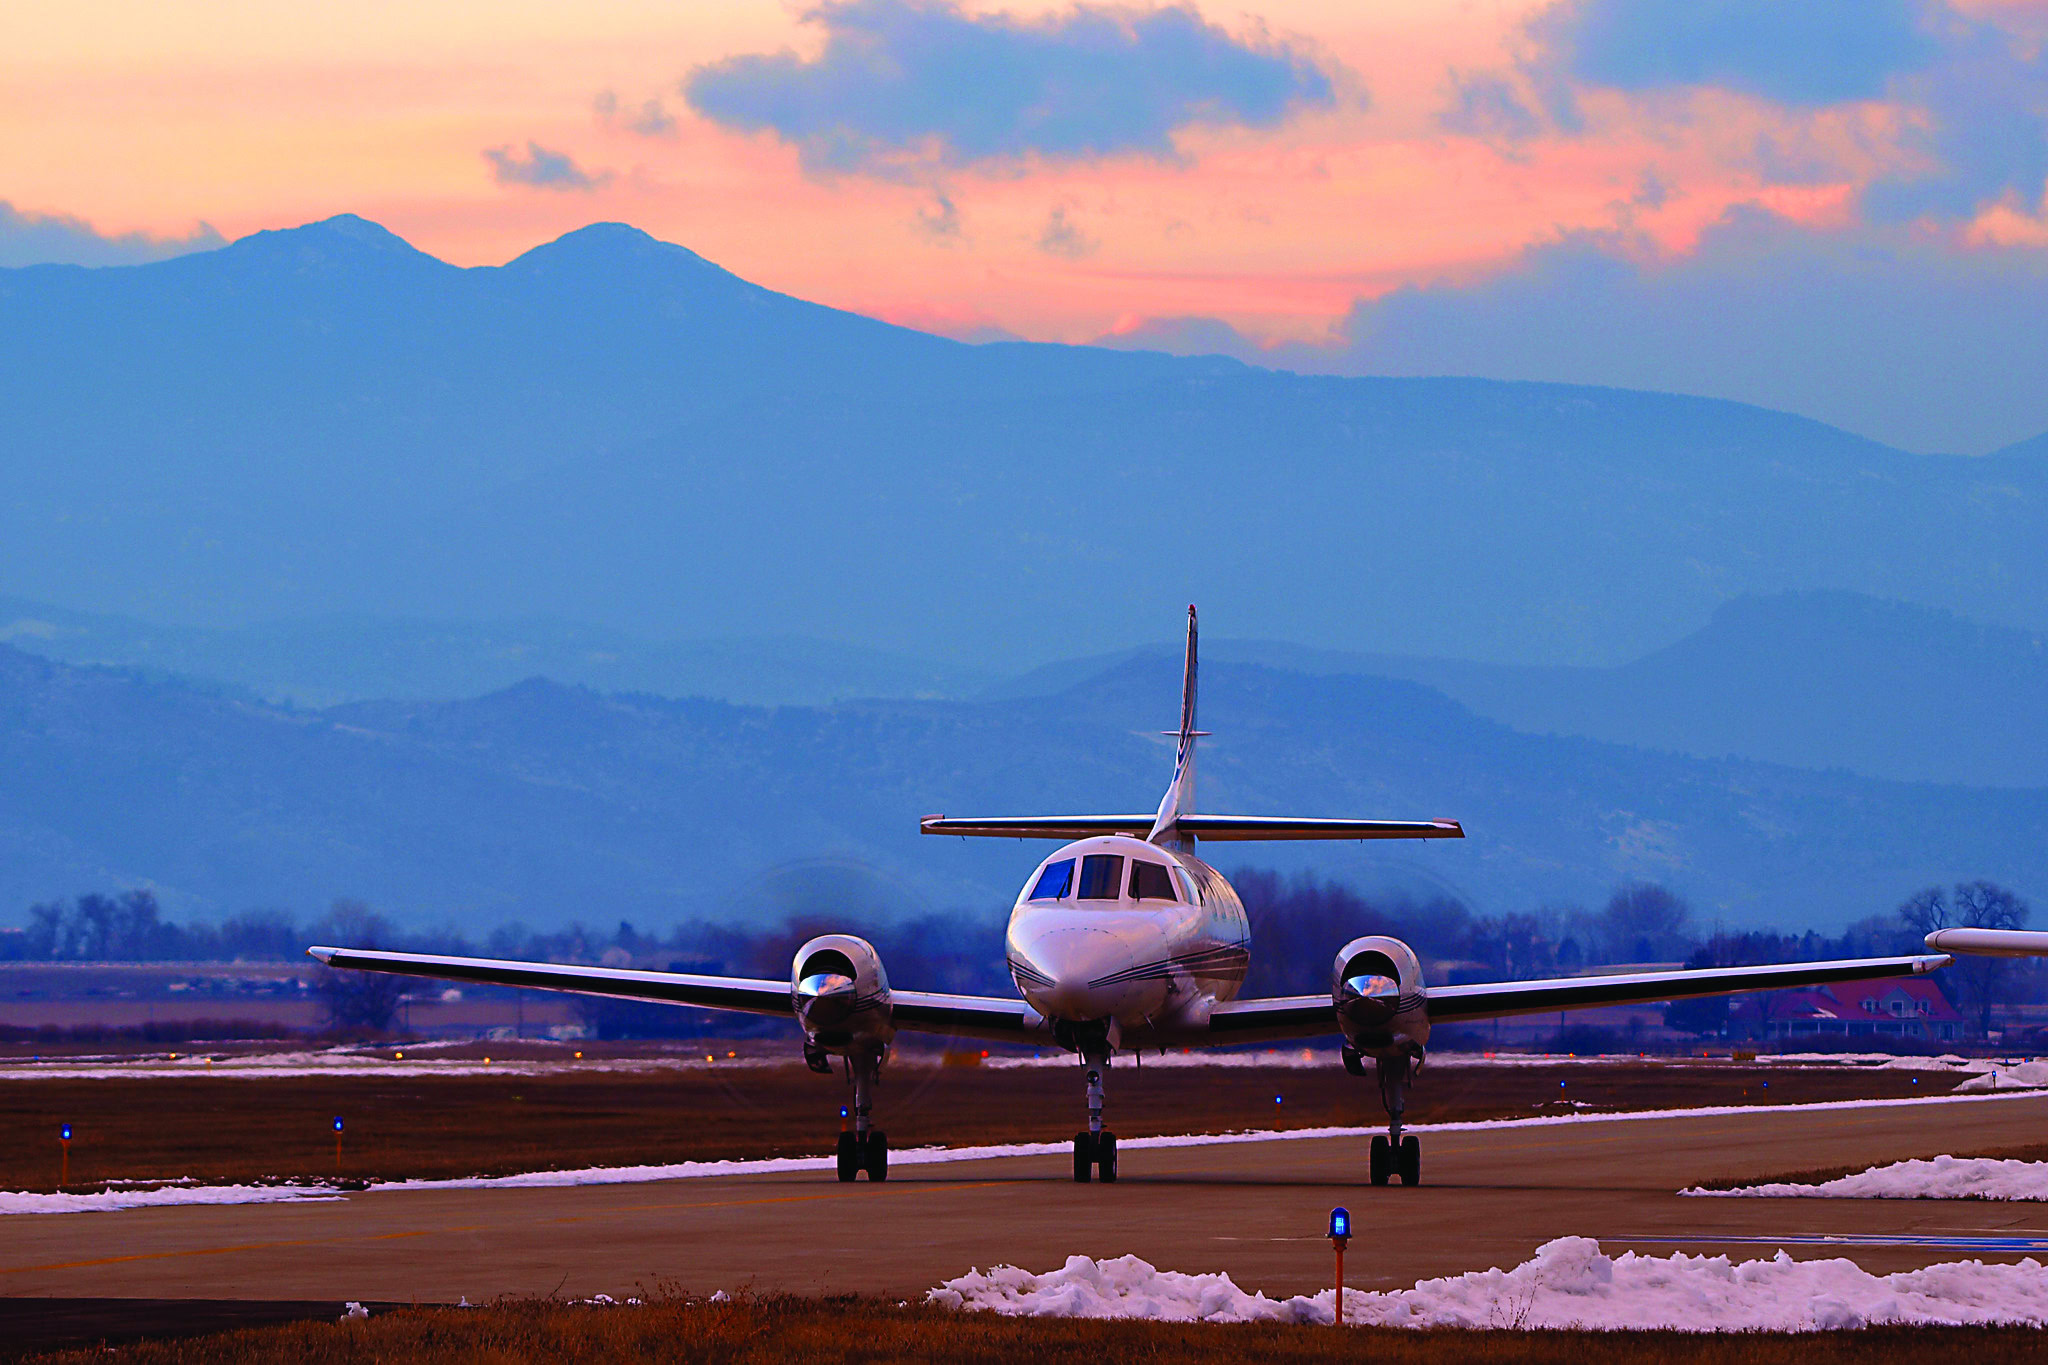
{"points": [[1984, 981], [357, 1000], [1644, 921]]}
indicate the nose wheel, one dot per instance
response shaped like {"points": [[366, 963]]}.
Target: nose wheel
{"points": [[1390, 1159], [1095, 1156], [859, 1152], [1095, 1150]]}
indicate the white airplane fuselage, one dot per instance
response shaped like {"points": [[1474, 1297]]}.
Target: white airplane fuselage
{"points": [[1126, 936]]}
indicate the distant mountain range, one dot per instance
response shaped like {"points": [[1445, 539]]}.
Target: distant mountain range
{"points": [[613, 463], [551, 803], [1812, 680], [610, 430]]}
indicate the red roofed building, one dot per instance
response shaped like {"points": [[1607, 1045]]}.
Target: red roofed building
{"points": [[1910, 1007]]}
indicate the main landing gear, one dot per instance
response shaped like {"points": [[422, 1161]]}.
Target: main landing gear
{"points": [[1095, 1150], [1395, 1154], [861, 1147]]}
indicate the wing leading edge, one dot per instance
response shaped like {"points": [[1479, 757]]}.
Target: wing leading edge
{"points": [[965, 1016]]}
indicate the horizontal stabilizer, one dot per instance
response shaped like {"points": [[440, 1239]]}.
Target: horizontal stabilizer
{"points": [[1230, 827]]}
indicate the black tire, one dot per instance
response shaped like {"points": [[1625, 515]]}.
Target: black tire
{"points": [[1105, 1158], [1084, 1158], [875, 1160], [1411, 1161], [1382, 1159], [849, 1156]]}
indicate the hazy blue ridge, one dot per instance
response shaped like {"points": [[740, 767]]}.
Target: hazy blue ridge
{"points": [[613, 431], [325, 660], [554, 803]]}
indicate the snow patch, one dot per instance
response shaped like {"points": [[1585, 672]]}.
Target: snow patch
{"points": [[1568, 1283], [2009, 1076], [1944, 1177], [15, 1201], [337, 1062]]}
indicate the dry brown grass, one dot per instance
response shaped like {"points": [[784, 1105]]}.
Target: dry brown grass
{"points": [[220, 1130], [859, 1330]]}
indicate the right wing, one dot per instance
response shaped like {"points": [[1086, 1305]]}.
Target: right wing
{"points": [[1496, 1000], [965, 1016], [1215, 827], [1314, 1016]]}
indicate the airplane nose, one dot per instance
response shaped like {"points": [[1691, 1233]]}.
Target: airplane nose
{"points": [[1077, 973]]}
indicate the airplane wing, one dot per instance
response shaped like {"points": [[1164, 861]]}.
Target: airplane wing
{"points": [[964, 1016], [1211, 827], [1311, 1016]]}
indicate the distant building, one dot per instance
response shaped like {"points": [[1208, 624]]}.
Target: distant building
{"points": [[1909, 1008]]}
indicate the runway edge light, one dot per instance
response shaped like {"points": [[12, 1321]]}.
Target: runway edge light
{"points": [[1340, 1234]]}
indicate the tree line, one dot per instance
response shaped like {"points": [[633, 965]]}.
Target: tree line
{"points": [[1298, 923]]}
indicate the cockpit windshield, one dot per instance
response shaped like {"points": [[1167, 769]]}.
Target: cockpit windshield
{"points": [[1102, 877], [1149, 881], [1055, 881]]}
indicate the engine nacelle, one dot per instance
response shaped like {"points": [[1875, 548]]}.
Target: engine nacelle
{"points": [[841, 995], [1376, 986]]}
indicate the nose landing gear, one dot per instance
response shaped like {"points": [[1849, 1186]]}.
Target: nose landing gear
{"points": [[862, 1147], [1095, 1150]]}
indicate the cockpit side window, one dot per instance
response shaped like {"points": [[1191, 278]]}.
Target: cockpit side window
{"points": [[1055, 881], [1102, 877], [1188, 895], [1149, 881]]}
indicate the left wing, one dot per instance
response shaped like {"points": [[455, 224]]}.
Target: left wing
{"points": [[965, 1016], [1312, 1016]]}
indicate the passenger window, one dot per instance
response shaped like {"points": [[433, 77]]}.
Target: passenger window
{"points": [[1149, 881], [1102, 877], [1055, 881]]}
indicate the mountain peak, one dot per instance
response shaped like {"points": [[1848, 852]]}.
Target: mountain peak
{"points": [[343, 237], [611, 244]]}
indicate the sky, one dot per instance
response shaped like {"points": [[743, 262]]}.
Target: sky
{"points": [[1833, 207]]}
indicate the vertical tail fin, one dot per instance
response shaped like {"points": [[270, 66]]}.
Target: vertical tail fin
{"points": [[1180, 797]]}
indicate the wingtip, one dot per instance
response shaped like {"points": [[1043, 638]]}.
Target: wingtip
{"points": [[324, 954]]}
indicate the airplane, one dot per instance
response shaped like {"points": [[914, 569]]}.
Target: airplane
{"points": [[1123, 940]]}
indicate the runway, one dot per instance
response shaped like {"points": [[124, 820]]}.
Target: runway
{"points": [[1256, 1210]]}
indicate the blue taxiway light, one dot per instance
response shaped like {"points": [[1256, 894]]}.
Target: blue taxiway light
{"points": [[64, 1133], [337, 1123], [1340, 1222]]}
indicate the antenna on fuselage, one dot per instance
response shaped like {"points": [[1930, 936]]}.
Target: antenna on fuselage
{"points": [[1180, 797]]}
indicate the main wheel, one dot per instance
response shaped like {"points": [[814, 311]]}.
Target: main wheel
{"points": [[1105, 1157], [849, 1155], [1411, 1161], [1382, 1159], [1084, 1157], [875, 1160]]}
